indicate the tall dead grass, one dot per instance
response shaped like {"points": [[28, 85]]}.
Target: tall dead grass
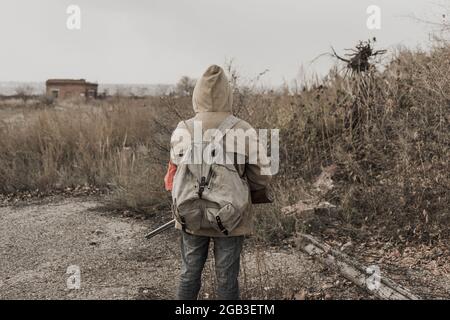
{"points": [[387, 131], [107, 144]]}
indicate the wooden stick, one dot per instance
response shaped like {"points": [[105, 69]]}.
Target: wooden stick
{"points": [[352, 270]]}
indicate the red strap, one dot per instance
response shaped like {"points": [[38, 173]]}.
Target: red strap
{"points": [[168, 179]]}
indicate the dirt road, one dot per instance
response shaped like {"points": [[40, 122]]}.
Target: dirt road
{"points": [[39, 242]]}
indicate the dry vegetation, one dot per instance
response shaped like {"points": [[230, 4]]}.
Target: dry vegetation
{"points": [[387, 132]]}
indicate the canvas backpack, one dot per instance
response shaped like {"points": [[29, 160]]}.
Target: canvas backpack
{"points": [[209, 194]]}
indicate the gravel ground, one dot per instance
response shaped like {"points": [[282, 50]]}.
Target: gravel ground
{"points": [[40, 241]]}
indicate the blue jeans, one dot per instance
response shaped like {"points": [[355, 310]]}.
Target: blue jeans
{"points": [[194, 251]]}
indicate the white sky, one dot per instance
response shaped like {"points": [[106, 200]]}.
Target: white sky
{"points": [[158, 41]]}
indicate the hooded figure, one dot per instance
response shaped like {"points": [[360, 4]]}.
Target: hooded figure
{"points": [[212, 102]]}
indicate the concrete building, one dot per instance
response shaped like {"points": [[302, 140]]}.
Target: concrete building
{"points": [[67, 88]]}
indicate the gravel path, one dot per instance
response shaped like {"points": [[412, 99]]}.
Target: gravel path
{"points": [[39, 242]]}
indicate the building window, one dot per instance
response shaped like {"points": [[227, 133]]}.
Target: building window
{"points": [[55, 93], [91, 93]]}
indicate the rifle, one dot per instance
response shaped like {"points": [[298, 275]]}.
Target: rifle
{"points": [[158, 230]]}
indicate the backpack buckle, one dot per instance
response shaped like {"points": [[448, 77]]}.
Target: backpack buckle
{"points": [[221, 227], [183, 223], [201, 187]]}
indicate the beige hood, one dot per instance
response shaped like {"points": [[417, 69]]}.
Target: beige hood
{"points": [[213, 93]]}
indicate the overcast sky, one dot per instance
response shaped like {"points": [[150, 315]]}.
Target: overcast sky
{"points": [[158, 41]]}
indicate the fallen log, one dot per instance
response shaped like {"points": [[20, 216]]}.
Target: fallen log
{"points": [[368, 278]]}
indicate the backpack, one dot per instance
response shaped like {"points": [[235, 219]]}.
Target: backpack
{"points": [[209, 194]]}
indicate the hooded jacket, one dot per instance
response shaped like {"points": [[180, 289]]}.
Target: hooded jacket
{"points": [[212, 102]]}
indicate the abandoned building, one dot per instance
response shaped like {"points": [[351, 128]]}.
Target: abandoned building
{"points": [[67, 88]]}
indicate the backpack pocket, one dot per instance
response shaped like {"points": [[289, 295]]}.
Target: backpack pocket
{"points": [[189, 215], [227, 198], [224, 219]]}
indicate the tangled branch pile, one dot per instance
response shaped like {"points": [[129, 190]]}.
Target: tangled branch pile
{"points": [[359, 60]]}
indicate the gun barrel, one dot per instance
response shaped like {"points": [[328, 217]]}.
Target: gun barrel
{"points": [[160, 229]]}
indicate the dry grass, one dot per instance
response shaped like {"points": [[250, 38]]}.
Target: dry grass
{"points": [[388, 132], [107, 144]]}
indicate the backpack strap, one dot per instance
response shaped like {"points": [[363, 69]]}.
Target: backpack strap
{"points": [[188, 129], [223, 128], [227, 124]]}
